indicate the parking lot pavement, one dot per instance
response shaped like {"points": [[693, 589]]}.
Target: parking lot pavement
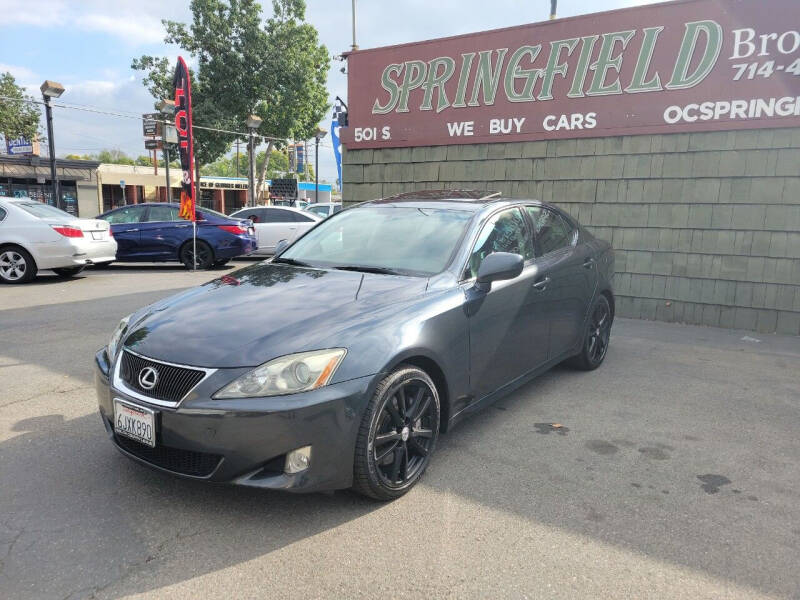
{"points": [[672, 471]]}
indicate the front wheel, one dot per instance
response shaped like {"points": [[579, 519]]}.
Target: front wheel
{"points": [[596, 337], [398, 434], [205, 255], [67, 272]]}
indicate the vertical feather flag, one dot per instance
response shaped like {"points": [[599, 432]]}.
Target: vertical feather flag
{"points": [[183, 124]]}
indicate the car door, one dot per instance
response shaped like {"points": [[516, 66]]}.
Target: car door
{"points": [[501, 331], [570, 274], [277, 224], [125, 225], [162, 232]]}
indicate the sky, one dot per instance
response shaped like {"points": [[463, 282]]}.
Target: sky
{"points": [[87, 45]]}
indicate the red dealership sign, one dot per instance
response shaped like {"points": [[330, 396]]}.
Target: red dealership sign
{"points": [[688, 65]]}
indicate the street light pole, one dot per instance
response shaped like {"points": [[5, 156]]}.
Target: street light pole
{"points": [[553, 8], [51, 89], [167, 107], [253, 122], [317, 137]]}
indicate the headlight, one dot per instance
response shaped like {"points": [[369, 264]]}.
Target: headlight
{"points": [[111, 349], [286, 375]]}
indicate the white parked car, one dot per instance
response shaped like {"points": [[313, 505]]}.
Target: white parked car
{"points": [[36, 236], [276, 223], [324, 209]]}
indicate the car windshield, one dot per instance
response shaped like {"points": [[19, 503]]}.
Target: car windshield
{"points": [[44, 211], [407, 240]]}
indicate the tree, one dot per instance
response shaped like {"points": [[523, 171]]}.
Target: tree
{"points": [[19, 116], [275, 69]]}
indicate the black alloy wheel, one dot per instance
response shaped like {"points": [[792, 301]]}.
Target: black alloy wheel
{"points": [[68, 271], [598, 335], [205, 255], [398, 434]]}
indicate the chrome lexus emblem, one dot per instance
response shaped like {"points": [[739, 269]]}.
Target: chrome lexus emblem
{"points": [[148, 378]]}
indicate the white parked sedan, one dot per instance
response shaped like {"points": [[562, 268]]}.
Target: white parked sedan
{"points": [[36, 236], [276, 223]]}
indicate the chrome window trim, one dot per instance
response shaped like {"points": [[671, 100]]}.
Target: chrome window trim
{"points": [[120, 385]]}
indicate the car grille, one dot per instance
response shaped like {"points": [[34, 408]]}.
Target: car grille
{"points": [[185, 462], [173, 382]]}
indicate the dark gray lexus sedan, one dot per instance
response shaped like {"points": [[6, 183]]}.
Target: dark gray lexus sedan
{"points": [[340, 362]]}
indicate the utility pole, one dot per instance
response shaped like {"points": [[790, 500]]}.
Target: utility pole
{"points": [[354, 47], [253, 123], [237, 157], [553, 8]]}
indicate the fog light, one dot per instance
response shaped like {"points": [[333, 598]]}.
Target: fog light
{"points": [[298, 460]]}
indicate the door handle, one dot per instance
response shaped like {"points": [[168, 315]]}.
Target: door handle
{"points": [[541, 284], [588, 263]]}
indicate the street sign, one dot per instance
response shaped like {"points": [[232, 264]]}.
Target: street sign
{"points": [[20, 146], [150, 124], [153, 144]]}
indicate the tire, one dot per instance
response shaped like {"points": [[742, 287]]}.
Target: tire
{"points": [[103, 265], [596, 337], [205, 255], [67, 272], [398, 434], [16, 265]]}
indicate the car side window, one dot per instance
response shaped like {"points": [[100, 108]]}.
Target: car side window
{"points": [[276, 215], [129, 214], [2, 213], [505, 231], [301, 218], [551, 231], [162, 213]]}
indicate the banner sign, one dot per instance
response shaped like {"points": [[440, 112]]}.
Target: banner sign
{"points": [[687, 65], [300, 151], [20, 146], [183, 126], [338, 120]]}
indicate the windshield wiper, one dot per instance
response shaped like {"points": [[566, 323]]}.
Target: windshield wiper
{"points": [[291, 261], [367, 269]]}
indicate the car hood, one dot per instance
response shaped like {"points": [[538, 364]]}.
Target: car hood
{"points": [[261, 312]]}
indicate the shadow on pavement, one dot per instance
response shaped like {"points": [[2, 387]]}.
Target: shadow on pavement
{"points": [[622, 455]]}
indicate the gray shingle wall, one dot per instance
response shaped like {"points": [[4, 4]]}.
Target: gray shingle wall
{"points": [[706, 226]]}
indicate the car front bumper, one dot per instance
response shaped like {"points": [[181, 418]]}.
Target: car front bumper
{"points": [[245, 441]]}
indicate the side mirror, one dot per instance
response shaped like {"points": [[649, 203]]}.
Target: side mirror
{"points": [[498, 266], [281, 246]]}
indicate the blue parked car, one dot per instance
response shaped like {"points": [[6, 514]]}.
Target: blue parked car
{"points": [[153, 232]]}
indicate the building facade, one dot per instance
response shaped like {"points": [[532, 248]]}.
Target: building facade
{"points": [[703, 213]]}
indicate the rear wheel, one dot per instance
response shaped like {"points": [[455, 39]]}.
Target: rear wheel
{"points": [[68, 271], [102, 265], [597, 336], [16, 265], [205, 255], [398, 434]]}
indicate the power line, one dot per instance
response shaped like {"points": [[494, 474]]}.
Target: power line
{"points": [[99, 111]]}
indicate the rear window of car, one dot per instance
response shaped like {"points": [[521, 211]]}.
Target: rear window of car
{"points": [[44, 211], [276, 215]]}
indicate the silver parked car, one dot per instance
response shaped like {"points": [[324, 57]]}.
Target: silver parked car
{"points": [[276, 223], [36, 236], [324, 209]]}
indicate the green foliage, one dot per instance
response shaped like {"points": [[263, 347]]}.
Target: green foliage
{"points": [[17, 116], [116, 157], [225, 166], [275, 69]]}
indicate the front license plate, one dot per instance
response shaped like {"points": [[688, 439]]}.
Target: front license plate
{"points": [[135, 422]]}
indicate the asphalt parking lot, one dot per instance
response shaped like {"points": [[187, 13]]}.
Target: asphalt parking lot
{"points": [[672, 471]]}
